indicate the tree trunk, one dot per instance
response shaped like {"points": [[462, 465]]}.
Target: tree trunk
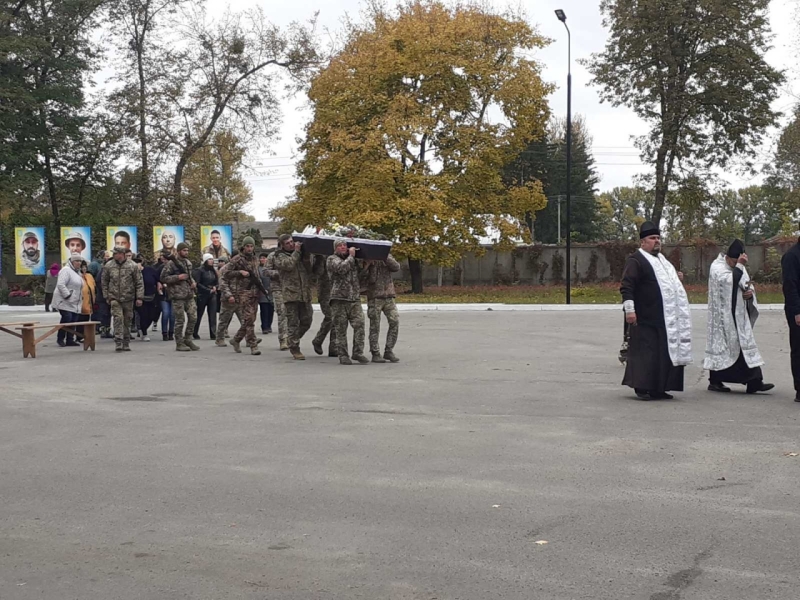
{"points": [[144, 183], [415, 267]]}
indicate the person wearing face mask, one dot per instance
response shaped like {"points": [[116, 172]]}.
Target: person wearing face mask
{"points": [[657, 310], [240, 285], [67, 298]]}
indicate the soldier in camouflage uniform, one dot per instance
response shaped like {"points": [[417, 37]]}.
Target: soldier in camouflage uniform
{"points": [[295, 274], [277, 296], [226, 309], [324, 295], [239, 285], [380, 300], [346, 301], [122, 287], [177, 276]]}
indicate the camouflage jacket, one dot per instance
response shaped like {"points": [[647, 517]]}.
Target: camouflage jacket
{"points": [[344, 274], [323, 279], [381, 284], [177, 289], [233, 283], [122, 281], [274, 274], [295, 273]]}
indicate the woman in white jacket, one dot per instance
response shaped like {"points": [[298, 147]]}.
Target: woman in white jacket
{"points": [[67, 297]]}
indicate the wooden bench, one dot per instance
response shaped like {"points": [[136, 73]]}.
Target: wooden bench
{"points": [[29, 339]]}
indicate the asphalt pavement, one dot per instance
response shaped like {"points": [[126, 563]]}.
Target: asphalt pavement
{"points": [[500, 459]]}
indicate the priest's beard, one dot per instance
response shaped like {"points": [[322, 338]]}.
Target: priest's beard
{"points": [[656, 251]]}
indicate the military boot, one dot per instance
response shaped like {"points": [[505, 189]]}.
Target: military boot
{"points": [[361, 359], [317, 346], [236, 346], [221, 343], [255, 351], [181, 347], [284, 345], [192, 346], [377, 358], [345, 360], [119, 348], [389, 355], [296, 354]]}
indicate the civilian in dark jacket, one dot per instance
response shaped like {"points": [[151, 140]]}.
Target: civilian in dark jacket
{"points": [[207, 285], [167, 316], [790, 265], [147, 311]]}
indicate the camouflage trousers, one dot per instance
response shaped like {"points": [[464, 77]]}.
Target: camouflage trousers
{"points": [[375, 308], [283, 327], [226, 312], [122, 314], [327, 324], [344, 312], [249, 305], [185, 312], [299, 316]]}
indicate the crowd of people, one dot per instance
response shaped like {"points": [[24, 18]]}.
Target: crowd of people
{"points": [[129, 298]]}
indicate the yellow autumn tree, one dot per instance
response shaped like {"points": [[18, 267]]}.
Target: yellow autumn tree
{"points": [[413, 121]]}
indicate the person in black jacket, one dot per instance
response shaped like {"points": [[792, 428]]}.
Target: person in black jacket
{"points": [[790, 266], [207, 284]]}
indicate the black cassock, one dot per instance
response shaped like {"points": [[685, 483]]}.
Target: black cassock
{"points": [[649, 367], [738, 372]]}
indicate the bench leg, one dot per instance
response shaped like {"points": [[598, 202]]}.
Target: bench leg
{"points": [[28, 343], [88, 338]]}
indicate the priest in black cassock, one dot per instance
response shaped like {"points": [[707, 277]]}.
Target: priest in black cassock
{"points": [[657, 310], [732, 355]]}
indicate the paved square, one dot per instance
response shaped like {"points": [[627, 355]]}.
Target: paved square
{"points": [[161, 475]]}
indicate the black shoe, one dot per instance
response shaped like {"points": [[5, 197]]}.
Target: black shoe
{"points": [[165, 337], [797, 397], [62, 343], [317, 347], [661, 396], [642, 395], [718, 387], [72, 344], [195, 336], [172, 337], [763, 387]]}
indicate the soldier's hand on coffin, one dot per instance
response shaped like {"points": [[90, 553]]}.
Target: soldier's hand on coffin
{"points": [[298, 246], [630, 318], [244, 273], [742, 259], [352, 251]]}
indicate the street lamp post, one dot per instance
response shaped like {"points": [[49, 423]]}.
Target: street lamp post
{"points": [[563, 18]]}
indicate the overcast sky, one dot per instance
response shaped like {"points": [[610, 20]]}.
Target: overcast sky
{"points": [[611, 128]]}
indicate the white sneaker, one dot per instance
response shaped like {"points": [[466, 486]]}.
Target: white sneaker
{"points": [[146, 338]]}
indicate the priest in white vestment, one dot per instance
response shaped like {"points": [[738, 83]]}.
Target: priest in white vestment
{"points": [[731, 352]]}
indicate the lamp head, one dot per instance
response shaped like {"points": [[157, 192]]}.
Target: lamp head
{"points": [[561, 16]]}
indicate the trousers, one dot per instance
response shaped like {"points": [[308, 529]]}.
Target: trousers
{"points": [[299, 316], [794, 344], [345, 312], [122, 315], [226, 312], [280, 308], [209, 303], [375, 308], [267, 311], [246, 331], [185, 317]]}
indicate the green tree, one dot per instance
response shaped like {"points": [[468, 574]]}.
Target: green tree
{"points": [[414, 121], [621, 211], [695, 71]]}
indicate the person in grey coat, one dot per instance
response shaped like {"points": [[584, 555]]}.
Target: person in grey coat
{"points": [[67, 298]]}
